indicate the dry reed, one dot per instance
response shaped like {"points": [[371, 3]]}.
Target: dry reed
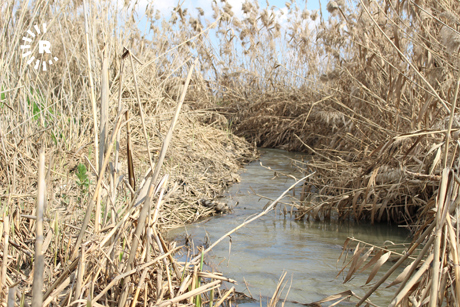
{"points": [[85, 256], [370, 92]]}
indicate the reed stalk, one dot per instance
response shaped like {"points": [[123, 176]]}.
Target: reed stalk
{"points": [[90, 76], [6, 233], [39, 261], [98, 186]]}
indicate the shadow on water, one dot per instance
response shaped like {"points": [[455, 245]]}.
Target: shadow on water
{"points": [[261, 251]]}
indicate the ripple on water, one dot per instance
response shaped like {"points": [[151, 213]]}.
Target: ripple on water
{"points": [[262, 250]]}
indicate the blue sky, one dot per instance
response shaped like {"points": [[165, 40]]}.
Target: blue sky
{"points": [[166, 6]]}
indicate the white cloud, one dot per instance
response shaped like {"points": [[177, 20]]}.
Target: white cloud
{"points": [[165, 7], [281, 15], [236, 5]]}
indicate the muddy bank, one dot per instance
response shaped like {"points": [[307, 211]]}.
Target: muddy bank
{"points": [[200, 163], [371, 92]]}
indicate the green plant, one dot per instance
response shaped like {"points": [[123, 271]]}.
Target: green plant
{"points": [[2, 96], [122, 250], [83, 180], [198, 302], [37, 102]]}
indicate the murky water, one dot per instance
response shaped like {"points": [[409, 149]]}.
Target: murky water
{"points": [[263, 250]]}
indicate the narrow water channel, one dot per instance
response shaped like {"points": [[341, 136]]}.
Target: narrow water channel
{"points": [[263, 250]]}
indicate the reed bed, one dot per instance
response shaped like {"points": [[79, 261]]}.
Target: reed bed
{"points": [[374, 117], [100, 154], [371, 92]]}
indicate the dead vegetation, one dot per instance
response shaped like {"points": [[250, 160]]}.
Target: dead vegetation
{"points": [[100, 154], [370, 92]]}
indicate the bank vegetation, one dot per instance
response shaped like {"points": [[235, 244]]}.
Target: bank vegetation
{"points": [[140, 121]]}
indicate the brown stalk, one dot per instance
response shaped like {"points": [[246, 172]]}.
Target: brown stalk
{"points": [[6, 233], [39, 261], [91, 83], [105, 93], [147, 204], [98, 186], [454, 252], [80, 273], [398, 263], [144, 129], [212, 285], [268, 209], [441, 209]]}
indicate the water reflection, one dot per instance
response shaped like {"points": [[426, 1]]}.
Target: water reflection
{"points": [[262, 250]]}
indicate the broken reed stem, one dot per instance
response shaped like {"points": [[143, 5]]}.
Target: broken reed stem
{"points": [[398, 263], [147, 203], [164, 148], [39, 261], [91, 85], [414, 279], [268, 209]]}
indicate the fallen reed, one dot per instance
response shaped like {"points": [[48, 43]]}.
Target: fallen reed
{"points": [[121, 156], [371, 92]]}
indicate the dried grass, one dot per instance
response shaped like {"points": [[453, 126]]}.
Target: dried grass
{"points": [[110, 263], [370, 93]]}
